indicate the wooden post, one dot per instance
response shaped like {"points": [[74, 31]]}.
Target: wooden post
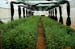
{"points": [[49, 13], [68, 21], [56, 14], [61, 19], [12, 10], [53, 13], [23, 12], [19, 12]]}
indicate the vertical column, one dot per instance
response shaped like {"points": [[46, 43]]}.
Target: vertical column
{"points": [[55, 14], [27, 12], [23, 12], [52, 13], [68, 21], [12, 10], [32, 12], [49, 13], [19, 12], [60, 19]]}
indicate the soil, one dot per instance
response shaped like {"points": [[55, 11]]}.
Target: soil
{"points": [[40, 39], [26, 48]]}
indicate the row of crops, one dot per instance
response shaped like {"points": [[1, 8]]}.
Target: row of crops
{"points": [[19, 34], [23, 33], [57, 35]]}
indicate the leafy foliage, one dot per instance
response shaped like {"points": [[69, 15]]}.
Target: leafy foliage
{"points": [[57, 35], [20, 34]]}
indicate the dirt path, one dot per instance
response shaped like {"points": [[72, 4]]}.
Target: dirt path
{"points": [[40, 40]]}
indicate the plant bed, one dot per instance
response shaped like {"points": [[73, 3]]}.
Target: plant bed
{"points": [[25, 33], [57, 35], [40, 44], [22, 35]]}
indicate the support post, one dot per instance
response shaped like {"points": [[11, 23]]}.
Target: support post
{"points": [[23, 12], [68, 21], [19, 12], [56, 14], [12, 10], [60, 19]]}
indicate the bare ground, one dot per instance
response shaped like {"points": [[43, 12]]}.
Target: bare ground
{"points": [[40, 40]]}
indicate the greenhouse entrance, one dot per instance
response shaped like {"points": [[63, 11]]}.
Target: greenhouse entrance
{"points": [[38, 27]]}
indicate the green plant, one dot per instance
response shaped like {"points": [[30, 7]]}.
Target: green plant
{"points": [[22, 36], [57, 35]]}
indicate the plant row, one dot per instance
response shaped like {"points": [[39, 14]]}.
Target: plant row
{"points": [[57, 36], [20, 34]]}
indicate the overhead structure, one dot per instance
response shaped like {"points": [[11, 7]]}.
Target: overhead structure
{"points": [[50, 6]]}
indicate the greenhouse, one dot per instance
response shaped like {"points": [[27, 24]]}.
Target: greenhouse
{"points": [[37, 24]]}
